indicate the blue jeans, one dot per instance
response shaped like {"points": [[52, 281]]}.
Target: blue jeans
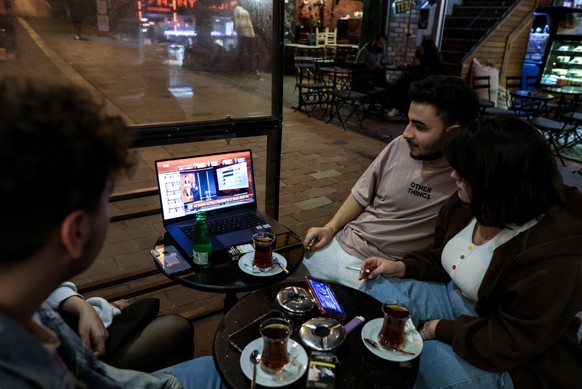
{"points": [[440, 366], [197, 373]]}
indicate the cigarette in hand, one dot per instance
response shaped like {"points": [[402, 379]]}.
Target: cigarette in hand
{"points": [[357, 269], [311, 243]]}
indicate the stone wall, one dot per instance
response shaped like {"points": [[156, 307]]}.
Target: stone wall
{"points": [[402, 30]]}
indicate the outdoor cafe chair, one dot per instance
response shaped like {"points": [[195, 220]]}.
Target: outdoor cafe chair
{"points": [[562, 132], [311, 88], [359, 93]]}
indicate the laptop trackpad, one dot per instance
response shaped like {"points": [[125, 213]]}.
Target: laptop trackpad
{"points": [[235, 237]]}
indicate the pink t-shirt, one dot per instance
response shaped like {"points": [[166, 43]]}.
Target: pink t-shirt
{"points": [[402, 197]]}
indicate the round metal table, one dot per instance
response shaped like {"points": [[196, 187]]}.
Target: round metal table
{"points": [[357, 368]]}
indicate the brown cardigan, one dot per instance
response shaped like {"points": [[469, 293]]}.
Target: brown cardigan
{"points": [[527, 300]]}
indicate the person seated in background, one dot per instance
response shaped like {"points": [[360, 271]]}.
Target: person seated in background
{"points": [[432, 59], [372, 53], [59, 137], [371, 58], [392, 208], [500, 286], [126, 335], [427, 61]]}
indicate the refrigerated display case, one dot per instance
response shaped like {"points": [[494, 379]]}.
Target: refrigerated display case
{"points": [[564, 64], [562, 60]]}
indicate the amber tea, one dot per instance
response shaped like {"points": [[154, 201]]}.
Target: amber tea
{"points": [[392, 332], [275, 355], [263, 242]]}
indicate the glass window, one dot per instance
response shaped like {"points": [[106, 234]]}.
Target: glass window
{"points": [[177, 70], [153, 61]]}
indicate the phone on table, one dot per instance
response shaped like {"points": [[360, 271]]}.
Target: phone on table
{"points": [[325, 298], [240, 338], [170, 260]]}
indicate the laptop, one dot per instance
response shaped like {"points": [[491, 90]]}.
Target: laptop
{"points": [[222, 185]]}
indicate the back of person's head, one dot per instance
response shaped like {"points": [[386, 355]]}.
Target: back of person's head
{"points": [[58, 150], [432, 58], [429, 45], [419, 54], [379, 36], [509, 168], [454, 100], [372, 45]]}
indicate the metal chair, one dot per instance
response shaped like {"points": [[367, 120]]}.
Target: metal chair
{"points": [[354, 97], [522, 106], [311, 89], [512, 83], [562, 132], [483, 82]]}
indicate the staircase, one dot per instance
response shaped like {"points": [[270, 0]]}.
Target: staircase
{"points": [[468, 25]]}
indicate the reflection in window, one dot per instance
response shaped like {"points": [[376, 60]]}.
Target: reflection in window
{"points": [[154, 61]]}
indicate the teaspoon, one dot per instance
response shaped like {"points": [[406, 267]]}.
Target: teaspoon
{"points": [[255, 358], [276, 262], [377, 345]]}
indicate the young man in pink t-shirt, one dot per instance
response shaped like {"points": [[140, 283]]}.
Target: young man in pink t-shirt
{"points": [[392, 208]]}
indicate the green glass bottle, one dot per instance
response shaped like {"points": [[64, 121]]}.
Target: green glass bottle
{"points": [[202, 246]]}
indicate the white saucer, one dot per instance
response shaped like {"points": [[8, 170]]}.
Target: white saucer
{"points": [[412, 341], [246, 264], [291, 373]]}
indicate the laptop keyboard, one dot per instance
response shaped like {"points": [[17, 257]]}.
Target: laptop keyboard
{"points": [[226, 224]]}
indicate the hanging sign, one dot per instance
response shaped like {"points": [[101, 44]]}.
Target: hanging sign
{"points": [[404, 6]]}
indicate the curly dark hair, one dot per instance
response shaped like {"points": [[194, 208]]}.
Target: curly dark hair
{"points": [[509, 167], [58, 148], [454, 100]]}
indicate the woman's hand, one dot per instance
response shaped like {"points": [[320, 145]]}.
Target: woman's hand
{"points": [[428, 330], [120, 304], [91, 329], [318, 237], [376, 266]]}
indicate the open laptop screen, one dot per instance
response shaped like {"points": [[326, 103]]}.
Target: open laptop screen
{"points": [[209, 182]]}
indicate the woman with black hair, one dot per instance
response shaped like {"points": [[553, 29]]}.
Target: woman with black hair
{"points": [[499, 289], [427, 61]]}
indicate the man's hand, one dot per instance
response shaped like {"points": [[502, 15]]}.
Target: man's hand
{"points": [[318, 237], [376, 266], [91, 329]]}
